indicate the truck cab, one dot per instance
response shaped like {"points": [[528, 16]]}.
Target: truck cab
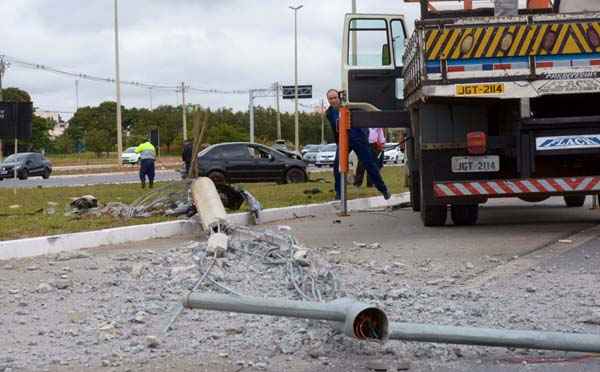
{"points": [[498, 102]]}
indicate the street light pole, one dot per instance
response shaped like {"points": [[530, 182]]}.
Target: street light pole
{"points": [[278, 111], [2, 70], [251, 113], [296, 120], [118, 82]]}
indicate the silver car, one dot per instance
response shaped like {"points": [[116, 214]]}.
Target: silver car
{"points": [[326, 155]]}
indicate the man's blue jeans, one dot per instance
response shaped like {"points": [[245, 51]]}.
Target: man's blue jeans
{"points": [[360, 146]]}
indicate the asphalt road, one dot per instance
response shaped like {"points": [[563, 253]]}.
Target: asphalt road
{"points": [[106, 178], [87, 179]]}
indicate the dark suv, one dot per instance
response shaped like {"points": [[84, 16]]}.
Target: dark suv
{"points": [[249, 162], [25, 164]]}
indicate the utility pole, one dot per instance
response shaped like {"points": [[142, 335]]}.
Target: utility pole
{"points": [[118, 82], [277, 108], [3, 66], [76, 95], [251, 113], [183, 110], [296, 119]]}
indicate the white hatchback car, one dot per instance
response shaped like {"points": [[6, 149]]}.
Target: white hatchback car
{"points": [[129, 156], [392, 153]]}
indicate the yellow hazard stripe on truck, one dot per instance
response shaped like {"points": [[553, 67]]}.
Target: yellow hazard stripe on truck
{"points": [[513, 40]]}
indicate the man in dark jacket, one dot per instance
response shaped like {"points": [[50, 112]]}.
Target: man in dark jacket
{"points": [[358, 142], [186, 155]]}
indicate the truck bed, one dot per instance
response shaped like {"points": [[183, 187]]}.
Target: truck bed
{"points": [[503, 57]]}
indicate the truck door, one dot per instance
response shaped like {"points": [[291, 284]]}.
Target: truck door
{"points": [[372, 60]]}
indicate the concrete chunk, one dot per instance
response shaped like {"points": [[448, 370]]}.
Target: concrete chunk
{"points": [[217, 245]]}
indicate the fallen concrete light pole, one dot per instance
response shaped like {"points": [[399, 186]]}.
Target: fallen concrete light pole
{"points": [[366, 322], [358, 320], [495, 337], [208, 204]]}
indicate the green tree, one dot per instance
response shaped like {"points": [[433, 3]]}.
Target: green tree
{"points": [[98, 141], [225, 133], [40, 128], [12, 94]]}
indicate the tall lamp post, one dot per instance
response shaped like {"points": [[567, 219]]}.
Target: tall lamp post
{"points": [[296, 120], [118, 83]]}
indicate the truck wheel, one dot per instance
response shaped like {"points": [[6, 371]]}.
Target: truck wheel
{"points": [[574, 200], [464, 215], [434, 215], [415, 192]]}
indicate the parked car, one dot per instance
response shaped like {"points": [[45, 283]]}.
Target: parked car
{"points": [[280, 145], [25, 164], [309, 148], [309, 154], [392, 153], [326, 155], [129, 156], [249, 162]]}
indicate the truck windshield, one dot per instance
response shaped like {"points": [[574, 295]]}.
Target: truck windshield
{"points": [[368, 43], [398, 41]]}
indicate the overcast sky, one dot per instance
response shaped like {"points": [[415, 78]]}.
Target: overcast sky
{"points": [[220, 44]]}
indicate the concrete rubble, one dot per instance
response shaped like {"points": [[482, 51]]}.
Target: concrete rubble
{"points": [[172, 199], [108, 308]]}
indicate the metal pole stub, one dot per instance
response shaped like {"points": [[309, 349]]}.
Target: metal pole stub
{"points": [[343, 153]]}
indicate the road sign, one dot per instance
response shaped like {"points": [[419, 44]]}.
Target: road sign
{"points": [[15, 120], [289, 91]]}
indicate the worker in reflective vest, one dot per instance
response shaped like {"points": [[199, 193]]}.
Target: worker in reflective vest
{"points": [[147, 157]]}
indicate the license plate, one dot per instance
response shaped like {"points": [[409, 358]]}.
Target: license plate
{"points": [[472, 164], [479, 89]]}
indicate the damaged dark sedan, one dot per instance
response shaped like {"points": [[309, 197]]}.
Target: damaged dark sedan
{"points": [[239, 162]]}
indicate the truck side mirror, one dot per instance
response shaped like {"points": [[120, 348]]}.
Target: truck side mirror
{"points": [[385, 55]]}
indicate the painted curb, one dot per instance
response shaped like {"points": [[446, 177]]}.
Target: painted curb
{"points": [[45, 245]]}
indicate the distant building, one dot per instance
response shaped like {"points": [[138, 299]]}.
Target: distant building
{"points": [[59, 126]]}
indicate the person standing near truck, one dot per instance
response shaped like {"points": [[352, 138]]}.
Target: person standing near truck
{"points": [[147, 157], [358, 142], [376, 144]]}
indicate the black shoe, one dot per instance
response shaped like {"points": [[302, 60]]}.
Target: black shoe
{"points": [[387, 195], [143, 185], [151, 185]]}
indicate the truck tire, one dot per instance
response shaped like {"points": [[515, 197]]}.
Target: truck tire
{"points": [[464, 215], [574, 200], [434, 215], [415, 192]]}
